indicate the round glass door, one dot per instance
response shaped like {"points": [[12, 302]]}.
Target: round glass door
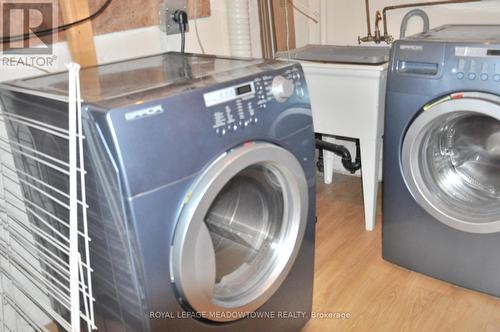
{"points": [[239, 232], [451, 161]]}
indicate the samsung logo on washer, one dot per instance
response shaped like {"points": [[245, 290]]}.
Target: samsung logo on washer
{"points": [[418, 48], [144, 113]]}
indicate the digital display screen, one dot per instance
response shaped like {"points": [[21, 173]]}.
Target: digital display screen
{"points": [[493, 52], [241, 90]]}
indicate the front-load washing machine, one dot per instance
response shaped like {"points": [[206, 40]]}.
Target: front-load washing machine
{"points": [[442, 156], [201, 188]]}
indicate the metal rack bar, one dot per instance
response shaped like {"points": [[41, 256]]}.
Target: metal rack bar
{"points": [[46, 185], [58, 161], [41, 161], [41, 209], [44, 234], [53, 130], [73, 192], [21, 313], [42, 306], [89, 307], [54, 199]]}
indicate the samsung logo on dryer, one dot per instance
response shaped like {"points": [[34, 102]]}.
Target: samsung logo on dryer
{"points": [[416, 48], [144, 113]]}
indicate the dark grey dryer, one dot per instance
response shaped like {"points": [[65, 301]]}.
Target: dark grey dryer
{"points": [[201, 187]]}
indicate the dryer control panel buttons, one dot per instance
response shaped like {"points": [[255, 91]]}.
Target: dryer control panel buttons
{"points": [[240, 106], [282, 88]]}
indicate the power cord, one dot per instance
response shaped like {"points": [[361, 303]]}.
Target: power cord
{"points": [[60, 28], [305, 10], [287, 31], [181, 17]]}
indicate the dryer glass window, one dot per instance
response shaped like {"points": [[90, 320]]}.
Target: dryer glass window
{"points": [[240, 231], [245, 223], [460, 163]]}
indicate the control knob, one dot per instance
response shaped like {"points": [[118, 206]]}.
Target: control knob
{"points": [[282, 88]]}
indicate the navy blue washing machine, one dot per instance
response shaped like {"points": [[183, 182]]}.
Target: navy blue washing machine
{"points": [[442, 156], [201, 188]]}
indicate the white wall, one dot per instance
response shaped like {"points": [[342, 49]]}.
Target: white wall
{"points": [[346, 19], [480, 12]]}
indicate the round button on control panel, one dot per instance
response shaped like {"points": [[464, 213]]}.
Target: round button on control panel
{"points": [[282, 88]]}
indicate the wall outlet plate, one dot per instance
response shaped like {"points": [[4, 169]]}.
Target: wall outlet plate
{"points": [[167, 8]]}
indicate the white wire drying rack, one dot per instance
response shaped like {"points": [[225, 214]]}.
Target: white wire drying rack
{"points": [[45, 272]]}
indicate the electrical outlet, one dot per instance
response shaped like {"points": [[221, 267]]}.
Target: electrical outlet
{"points": [[167, 8]]}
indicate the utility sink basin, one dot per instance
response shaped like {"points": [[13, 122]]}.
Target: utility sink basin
{"points": [[367, 55]]}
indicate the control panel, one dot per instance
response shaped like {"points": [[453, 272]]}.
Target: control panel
{"points": [[239, 106], [477, 64]]}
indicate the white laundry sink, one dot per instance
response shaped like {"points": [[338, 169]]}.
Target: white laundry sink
{"points": [[369, 55], [347, 90]]}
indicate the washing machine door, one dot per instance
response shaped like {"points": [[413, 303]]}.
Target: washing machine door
{"points": [[451, 161], [239, 232]]}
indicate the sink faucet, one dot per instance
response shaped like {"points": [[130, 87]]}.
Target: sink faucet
{"points": [[386, 37], [377, 38], [378, 18]]}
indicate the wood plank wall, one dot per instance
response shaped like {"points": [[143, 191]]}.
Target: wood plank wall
{"points": [[121, 15], [133, 14], [280, 24]]}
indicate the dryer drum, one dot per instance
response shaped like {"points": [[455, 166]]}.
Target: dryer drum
{"points": [[245, 224], [239, 233]]}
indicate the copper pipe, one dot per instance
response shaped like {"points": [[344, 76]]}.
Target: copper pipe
{"points": [[378, 18], [368, 23], [416, 4]]}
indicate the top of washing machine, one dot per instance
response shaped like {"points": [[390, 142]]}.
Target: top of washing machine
{"points": [[461, 33], [158, 76], [447, 59]]}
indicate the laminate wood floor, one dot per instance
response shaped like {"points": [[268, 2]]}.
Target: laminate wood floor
{"points": [[351, 277]]}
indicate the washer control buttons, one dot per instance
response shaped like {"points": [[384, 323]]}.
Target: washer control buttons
{"points": [[472, 76], [484, 77], [460, 75], [496, 78]]}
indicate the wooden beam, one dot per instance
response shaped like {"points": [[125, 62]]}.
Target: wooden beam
{"points": [[81, 45], [266, 29], [202, 8], [81, 37], [282, 41]]}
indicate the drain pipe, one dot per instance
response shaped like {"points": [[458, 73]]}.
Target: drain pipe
{"points": [[412, 13], [344, 153], [238, 18]]}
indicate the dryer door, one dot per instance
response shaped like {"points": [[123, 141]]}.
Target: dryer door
{"points": [[451, 161], [239, 232]]}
